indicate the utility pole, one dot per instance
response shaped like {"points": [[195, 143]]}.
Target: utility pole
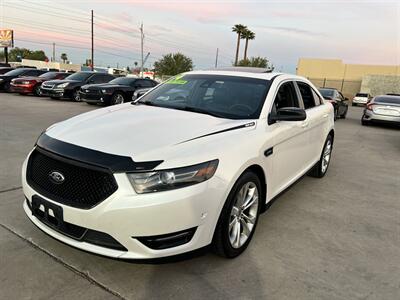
{"points": [[6, 54], [92, 59], [216, 59], [54, 52], [141, 38]]}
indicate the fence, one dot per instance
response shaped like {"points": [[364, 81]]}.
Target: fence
{"points": [[348, 87]]}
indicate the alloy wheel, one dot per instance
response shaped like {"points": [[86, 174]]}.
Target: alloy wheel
{"points": [[243, 215], [118, 99], [326, 157]]}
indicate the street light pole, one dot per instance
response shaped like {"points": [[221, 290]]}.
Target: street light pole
{"points": [[92, 59]]}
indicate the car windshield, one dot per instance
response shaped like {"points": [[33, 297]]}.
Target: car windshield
{"points": [[80, 76], [15, 72], [387, 100], [326, 92], [48, 75], [222, 96], [122, 80], [362, 95]]}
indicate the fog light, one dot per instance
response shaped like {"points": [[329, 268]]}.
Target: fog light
{"points": [[169, 240]]}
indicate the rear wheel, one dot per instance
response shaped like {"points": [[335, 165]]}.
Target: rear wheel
{"points": [[239, 216], [117, 98], [364, 122], [343, 116], [320, 169]]}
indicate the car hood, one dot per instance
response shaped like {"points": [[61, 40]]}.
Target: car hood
{"points": [[143, 132], [60, 81], [5, 77], [102, 86], [28, 79]]}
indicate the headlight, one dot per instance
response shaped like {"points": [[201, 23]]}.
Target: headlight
{"points": [[63, 85], [1, 80], [25, 82], [104, 91], [157, 181]]}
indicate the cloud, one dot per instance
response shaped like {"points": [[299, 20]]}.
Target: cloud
{"points": [[291, 31]]}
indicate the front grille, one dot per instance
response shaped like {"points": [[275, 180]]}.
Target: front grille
{"points": [[47, 86], [83, 186]]}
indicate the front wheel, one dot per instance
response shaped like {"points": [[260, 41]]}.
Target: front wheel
{"points": [[239, 216], [76, 96], [117, 98], [37, 91], [321, 167]]}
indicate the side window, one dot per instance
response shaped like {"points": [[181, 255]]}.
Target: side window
{"points": [[317, 99], [33, 73], [144, 83], [306, 95], [98, 78], [285, 97]]}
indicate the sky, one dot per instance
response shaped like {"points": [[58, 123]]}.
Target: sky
{"points": [[356, 31]]}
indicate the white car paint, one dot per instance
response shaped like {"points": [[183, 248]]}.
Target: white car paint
{"points": [[148, 133]]}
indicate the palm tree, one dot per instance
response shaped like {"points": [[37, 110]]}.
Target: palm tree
{"points": [[247, 35], [239, 29], [64, 57]]}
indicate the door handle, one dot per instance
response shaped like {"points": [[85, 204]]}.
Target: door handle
{"points": [[325, 115], [304, 124]]}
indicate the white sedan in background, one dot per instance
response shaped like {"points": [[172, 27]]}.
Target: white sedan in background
{"points": [[191, 163]]}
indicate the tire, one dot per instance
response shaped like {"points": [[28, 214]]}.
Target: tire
{"points": [[364, 123], [321, 167], [117, 98], [353, 104], [344, 114], [76, 96], [36, 90], [226, 241]]}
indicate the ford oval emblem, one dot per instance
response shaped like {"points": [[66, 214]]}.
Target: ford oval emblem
{"points": [[56, 177]]}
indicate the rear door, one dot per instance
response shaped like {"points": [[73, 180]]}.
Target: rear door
{"points": [[315, 122], [290, 149]]}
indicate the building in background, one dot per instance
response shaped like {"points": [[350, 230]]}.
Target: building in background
{"points": [[48, 65], [350, 78]]}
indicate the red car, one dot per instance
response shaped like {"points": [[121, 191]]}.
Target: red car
{"points": [[31, 85]]}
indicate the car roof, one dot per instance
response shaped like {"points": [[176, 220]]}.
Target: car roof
{"points": [[244, 73]]}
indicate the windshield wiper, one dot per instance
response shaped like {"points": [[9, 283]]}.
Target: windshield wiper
{"points": [[201, 111]]}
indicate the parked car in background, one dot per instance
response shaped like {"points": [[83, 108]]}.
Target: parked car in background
{"points": [[4, 70], [5, 79], [32, 85], [361, 98], [116, 91], [140, 92], [382, 109], [69, 87], [338, 101], [163, 175]]}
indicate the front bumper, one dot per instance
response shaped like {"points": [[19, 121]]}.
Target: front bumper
{"points": [[98, 98], [56, 93], [21, 88], [370, 116], [126, 216]]}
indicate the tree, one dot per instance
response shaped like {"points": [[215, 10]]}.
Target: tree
{"points": [[256, 62], [173, 64], [64, 57], [247, 35], [17, 54], [238, 29]]}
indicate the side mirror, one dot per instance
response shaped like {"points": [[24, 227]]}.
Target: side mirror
{"points": [[287, 114], [138, 94]]}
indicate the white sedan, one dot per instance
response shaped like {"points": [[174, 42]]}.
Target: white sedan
{"points": [[189, 164]]}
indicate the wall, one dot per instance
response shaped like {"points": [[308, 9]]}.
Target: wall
{"points": [[50, 65], [336, 69], [379, 84]]}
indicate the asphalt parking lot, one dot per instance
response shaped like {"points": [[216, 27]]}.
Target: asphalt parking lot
{"points": [[335, 238]]}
